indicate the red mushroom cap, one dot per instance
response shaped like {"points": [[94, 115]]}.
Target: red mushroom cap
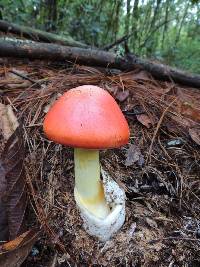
{"points": [[87, 117]]}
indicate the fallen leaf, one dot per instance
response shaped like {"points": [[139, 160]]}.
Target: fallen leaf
{"points": [[144, 119], [189, 110], [14, 252], [177, 121], [195, 135], [13, 198], [122, 95], [133, 155], [151, 223], [141, 75], [8, 123]]}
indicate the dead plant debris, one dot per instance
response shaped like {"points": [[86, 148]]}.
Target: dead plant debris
{"points": [[163, 193], [13, 253]]}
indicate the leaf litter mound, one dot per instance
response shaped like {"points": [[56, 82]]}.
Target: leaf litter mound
{"points": [[159, 168]]}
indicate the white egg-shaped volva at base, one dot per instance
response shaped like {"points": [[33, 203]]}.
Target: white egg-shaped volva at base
{"points": [[105, 228]]}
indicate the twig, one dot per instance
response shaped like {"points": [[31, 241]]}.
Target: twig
{"points": [[34, 125], [127, 113], [117, 42], [23, 76]]}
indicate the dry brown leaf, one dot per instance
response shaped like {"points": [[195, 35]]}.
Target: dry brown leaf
{"points": [[177, 122], [134, 155], [151, 223], [8, 122], [13, 253], [139, 75], [122, 95], [188, 104], [195, 135], [190, 111], [13, 198], [145, 120]]}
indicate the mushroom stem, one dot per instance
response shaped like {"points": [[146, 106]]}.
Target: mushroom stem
{"points": [[88, 186]]}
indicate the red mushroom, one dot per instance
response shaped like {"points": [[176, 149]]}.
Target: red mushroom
{"points": [[88, 119]]}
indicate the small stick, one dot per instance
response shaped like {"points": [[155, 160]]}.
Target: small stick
{"points": [[117, 42], [133, 113], [23, 76]]}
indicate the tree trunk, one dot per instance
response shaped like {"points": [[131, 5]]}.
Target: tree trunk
{"points": [[135, 17], [151, 28], [51, 6], [94, 58], [117, 19], [181, 24], [145, 24], [127, 19], [1, 8], [166, 24]]}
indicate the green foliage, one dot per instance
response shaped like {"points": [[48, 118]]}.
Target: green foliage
{"points": [[160, 29]]}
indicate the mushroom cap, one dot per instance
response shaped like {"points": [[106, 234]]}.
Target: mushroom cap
{"points": [[86, 117]]}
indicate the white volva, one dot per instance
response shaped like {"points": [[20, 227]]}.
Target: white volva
{"points": [[101, 203]]}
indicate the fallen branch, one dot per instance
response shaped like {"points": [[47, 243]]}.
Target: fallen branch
{"points": [[38, 35], [94, 57], [35, 50], [165, 72]]}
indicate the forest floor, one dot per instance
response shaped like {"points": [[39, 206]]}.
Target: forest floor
{"points": [[159, 169]]}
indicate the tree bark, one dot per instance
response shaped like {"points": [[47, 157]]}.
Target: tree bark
{"points": [[181, 24], [165, 72], [52, 14], [94, 57], [36, 50], [135, 17], [38, 35], [152, 27], [127, 19], [117, 19], [166, 24]]}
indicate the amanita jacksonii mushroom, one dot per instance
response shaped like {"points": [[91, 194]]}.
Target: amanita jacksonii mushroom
{"points": [[88, 119]]}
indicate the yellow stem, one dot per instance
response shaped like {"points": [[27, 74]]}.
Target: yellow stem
{"points": [[88, 186]]}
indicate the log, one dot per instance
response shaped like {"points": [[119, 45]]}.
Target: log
{"points": [[164, 72], [93, 57], [55, 52], [38, 35]]}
